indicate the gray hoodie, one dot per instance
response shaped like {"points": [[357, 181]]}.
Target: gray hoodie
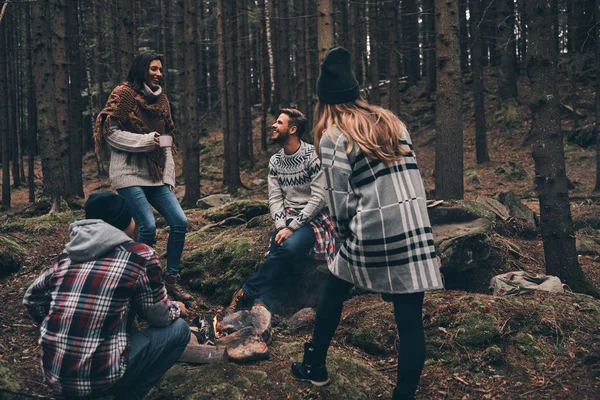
{"points": [[91, 238]]}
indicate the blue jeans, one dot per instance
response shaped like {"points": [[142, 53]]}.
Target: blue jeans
{"points": [[281, 259], [152, 351], [164, 201]]}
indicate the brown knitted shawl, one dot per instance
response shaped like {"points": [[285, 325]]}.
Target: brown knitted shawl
{"points": [[140, 114]]}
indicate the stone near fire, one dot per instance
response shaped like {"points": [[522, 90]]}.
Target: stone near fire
{"points": [[261, 320], [302, 319], [245, 345]]}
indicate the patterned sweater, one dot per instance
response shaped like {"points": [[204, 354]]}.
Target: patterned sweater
{"points": [[380, 215], [296, 182]]}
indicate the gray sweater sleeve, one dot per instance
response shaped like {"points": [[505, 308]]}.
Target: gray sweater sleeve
{"points": [[317, 194], [338, 173], [128, 141]]}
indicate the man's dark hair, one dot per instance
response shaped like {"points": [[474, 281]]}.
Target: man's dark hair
{"points": [[297, 119], [139, 68]]}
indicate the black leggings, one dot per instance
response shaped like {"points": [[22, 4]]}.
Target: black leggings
{"points": [[408, 314]]}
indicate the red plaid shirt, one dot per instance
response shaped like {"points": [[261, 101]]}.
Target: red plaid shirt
{"points": [[324, 248], [86, 317]]}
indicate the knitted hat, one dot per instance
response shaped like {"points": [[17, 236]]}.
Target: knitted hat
{"points": [[337, 83], [109, 207]]}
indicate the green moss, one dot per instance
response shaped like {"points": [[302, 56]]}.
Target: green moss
{"points": [[369, 340], [198, 382], [248, 208], [493, 356], [526, 344], [256, 376], [8, 380], [42, 225], [218, 271], [262, 221], [478, 330], [11, 256], [242, 382]]}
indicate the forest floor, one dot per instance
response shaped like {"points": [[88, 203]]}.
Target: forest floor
{"points": [[510, 168]]}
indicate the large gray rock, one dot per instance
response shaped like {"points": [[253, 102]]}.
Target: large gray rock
{"points": [[517, 209], [214, 200]]}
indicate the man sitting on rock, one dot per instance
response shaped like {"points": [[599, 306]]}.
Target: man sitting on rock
{"points": [[296, 201], [87, 302]]}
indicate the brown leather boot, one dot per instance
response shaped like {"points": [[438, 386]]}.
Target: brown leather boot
{"points": [[238, 299], [174, 289]]}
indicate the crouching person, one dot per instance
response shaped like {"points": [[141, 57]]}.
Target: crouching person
{"points": [[87, 302]]}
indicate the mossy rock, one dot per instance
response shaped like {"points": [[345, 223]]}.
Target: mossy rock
{"points": [[526, 344], [493, 356], [478, 331], [260, 222], [8, 381], [11, 256], [218, 271], [459, 211], [43, 225], [369, 340], [248, 208]]}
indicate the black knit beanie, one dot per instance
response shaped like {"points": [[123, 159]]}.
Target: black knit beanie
{"points": [[337, 83], [109, 207]]}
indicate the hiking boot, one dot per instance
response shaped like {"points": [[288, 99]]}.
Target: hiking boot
{"points": [[237, 300], [173, 288], [312, 368]]}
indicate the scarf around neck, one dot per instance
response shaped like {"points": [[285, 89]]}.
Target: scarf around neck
{"points": [[136, 112]]}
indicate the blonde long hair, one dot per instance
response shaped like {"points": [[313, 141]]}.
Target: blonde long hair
{"points": [[376, 131]]}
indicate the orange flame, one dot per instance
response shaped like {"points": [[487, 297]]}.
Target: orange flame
{"points": [[217, 327]]}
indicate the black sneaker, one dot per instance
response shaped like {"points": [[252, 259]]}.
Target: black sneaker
{"points": [[315, 374]]}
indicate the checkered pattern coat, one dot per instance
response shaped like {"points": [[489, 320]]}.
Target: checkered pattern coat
{"points": [[385, 241]]}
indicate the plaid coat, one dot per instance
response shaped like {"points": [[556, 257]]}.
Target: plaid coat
{"points": [[385, 241]]}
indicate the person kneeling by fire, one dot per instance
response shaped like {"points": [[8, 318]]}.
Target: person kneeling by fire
{"points": [[297, 205]]}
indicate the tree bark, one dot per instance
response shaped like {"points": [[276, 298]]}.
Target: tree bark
{"points": [[126, 32], [429, 57], [31, 111], [324, 27], [4, 130], [449, 132], [551, 181], [265, 77], [463, 35], [221, 40], [373, 53], [394, 70], [11, 85], [410, 40], [481, 148], [506, 41], [243, 65], [76, 122], [301, 49], [597, 36], [53, 148], [191, 139]]}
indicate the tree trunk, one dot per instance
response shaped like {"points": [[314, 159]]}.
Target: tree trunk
{"points": [[429, 57], [507, 76], [556, 225], [410, 40], [243, 65], [324, 27], [449, 132], [11, 71], [481, 148], [126, 32], [284, 78], [391, 11], [373, 53], [191, 139], [76, 123], [265, 77], [222, 73], [53, 148], [301, 49], [597, 36], [31, 112], [6, 195], [234, 182], [463, 36]]}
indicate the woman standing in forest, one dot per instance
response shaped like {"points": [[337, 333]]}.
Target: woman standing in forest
{"points": [[377, 200], [137, 130]]}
